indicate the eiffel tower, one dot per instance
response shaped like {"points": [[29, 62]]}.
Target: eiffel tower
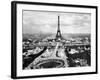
{"points": [[58, 35]]}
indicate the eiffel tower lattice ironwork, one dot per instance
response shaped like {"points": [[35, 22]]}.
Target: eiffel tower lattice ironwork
{"points": [[58, 35]]}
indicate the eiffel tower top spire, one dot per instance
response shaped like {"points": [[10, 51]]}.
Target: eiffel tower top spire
{"points": [[58, 24]]}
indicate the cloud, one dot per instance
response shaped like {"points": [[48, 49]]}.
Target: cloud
{"points": [[47, 22]]}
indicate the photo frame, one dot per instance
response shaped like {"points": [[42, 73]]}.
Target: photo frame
{"points": [[50, 39]]}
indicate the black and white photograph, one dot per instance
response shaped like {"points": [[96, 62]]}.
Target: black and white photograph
{"points": [[54, 39]]}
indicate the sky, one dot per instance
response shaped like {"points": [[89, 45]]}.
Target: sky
{"points": [[47, 22]]}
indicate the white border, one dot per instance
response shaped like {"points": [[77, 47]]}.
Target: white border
{"points": [[21, 72]]}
